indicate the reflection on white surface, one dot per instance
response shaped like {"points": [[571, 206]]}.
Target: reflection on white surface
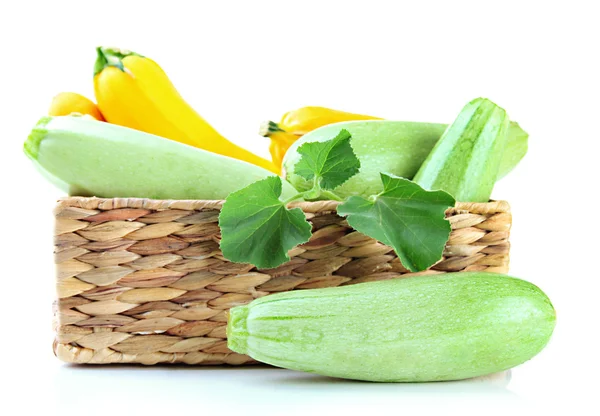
{"points": [[254, 388]]}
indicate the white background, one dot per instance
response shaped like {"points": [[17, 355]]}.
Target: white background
{"points": [[239, 63]]}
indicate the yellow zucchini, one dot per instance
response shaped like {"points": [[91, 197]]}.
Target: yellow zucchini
{"points": [[133, 91], [294, 124]]}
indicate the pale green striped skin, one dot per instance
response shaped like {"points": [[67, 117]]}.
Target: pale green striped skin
{"points": [[92, 158], [429, 328], [396, 147], [466, 161]]}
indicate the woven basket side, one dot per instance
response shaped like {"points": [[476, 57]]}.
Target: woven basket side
{"points": [[107, 204], [144, 281]]}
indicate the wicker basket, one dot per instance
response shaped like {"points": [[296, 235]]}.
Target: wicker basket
{"points": [[143, 281]]}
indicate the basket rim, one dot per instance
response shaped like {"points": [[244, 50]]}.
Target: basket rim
{"points": [[106, 204]]}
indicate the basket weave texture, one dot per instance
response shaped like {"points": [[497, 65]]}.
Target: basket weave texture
{"points": [[144, 281]]}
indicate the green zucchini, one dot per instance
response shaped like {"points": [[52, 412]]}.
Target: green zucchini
{"points": [[429, 328], [466, 161], [515, 150], [396, 147], [90, 158]]}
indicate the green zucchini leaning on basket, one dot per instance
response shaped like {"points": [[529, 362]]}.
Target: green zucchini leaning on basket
{"points": [[466, 161]]}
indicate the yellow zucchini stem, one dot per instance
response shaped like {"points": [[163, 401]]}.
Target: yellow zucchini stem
{"points": [[105, 59], [111, 57], [269, 127]]}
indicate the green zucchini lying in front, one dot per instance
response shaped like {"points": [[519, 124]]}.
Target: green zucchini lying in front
{"points": [[91, 158], [429, 328]]}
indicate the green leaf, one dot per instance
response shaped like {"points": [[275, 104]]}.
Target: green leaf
{"points": [[405, 217], [332, 162], [257, 228]]}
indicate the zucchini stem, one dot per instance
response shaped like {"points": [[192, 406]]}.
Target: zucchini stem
{"points": [[269, 127], [106, 58]]}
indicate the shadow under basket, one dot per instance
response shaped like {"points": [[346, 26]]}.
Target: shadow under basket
{"points": [[144, 281]]}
